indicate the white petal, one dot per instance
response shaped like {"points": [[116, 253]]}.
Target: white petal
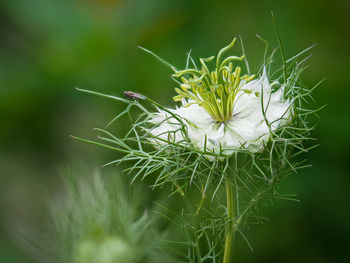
{"points": [[246, 129]]}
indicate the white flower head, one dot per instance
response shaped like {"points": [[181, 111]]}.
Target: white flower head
{"points": [[222, 110]]}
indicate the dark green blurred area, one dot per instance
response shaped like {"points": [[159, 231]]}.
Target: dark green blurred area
{"points": [[47, 47]]}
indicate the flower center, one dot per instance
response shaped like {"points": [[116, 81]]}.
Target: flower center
{"points": [[216, 90]]}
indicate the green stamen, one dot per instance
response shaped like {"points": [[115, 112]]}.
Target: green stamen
{"points": [[216, 90]]}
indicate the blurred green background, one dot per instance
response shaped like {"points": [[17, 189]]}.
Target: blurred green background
{"points": [[49, 46]]}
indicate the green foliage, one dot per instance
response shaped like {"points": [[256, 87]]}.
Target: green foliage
{"points": [[248, 179]]}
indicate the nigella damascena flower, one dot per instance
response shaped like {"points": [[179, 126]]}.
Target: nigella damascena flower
{"points": [[223, 110]]}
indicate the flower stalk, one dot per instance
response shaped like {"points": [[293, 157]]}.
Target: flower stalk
{"points": [[229, 238]]}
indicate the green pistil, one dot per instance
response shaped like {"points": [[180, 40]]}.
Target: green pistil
{"points": [[216, 90]]}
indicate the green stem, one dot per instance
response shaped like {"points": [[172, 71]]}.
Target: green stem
{"points": [[230, 215]]}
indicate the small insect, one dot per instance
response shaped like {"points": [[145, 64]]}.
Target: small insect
{"points": [[133, 95]]}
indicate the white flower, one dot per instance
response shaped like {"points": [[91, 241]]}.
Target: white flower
{"points": [[222, 110], [246, 129]]}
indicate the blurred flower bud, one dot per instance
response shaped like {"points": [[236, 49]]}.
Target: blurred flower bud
{"points": [[103, 250]]}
